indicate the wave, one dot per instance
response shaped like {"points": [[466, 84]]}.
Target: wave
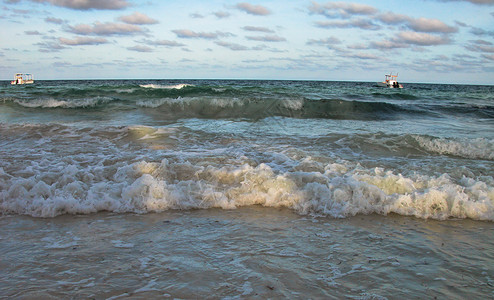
{"points": [[333, 190], [419, 145], [395, 96], [139, 169], [56, 103], [481, 111], [255, 108], [159, 86], [480, 148], [211, 99], [189, 105]]}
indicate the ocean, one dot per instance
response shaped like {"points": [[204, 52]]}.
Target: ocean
{"points": [[222, 189]]}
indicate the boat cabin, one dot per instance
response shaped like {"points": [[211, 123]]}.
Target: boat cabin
{"points": [[391, 81], [22, 78]]}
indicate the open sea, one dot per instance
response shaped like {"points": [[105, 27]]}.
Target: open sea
{"points": [[243, 189]]}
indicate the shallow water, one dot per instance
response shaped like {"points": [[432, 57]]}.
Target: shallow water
{"points": [[253, 252]]}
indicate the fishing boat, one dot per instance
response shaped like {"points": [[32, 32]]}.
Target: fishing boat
{"points": [[391, 81], [22, 78]]}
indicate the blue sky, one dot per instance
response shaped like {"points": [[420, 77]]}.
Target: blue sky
{"points": [[437, 41]]}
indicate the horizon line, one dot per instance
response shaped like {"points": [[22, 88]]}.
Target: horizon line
{"points": [[248, 79]]}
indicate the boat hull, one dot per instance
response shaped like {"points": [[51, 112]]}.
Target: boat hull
{"points": [[22, 82], [387, 85]]}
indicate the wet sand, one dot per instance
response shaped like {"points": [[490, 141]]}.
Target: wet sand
{"points": [[251, 252]]}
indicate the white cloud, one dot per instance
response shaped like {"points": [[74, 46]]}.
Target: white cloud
{"points": [[330, 43], [341, 9], [232, 46], [138, 18], [61, 64], [106, 29], [386, 44], [140, 48], [49, 46], [324, 42], [266, 38], [186, 33], [481, 32], [54, 20], [421, 39], [348, 10], [165, 43], [486, 2], [430, 25], [355, 23], [32, 32], [87, 4], [392, 18], [257, 28], [79, 41], [480, 46], [221, 14], [257, 10]]}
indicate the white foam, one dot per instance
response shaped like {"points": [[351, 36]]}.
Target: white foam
{"points": [[159, 86], [54, 103], [150, 186], [185, 102], [119, 180], [293, 104], [126, 91], [479, 148]]}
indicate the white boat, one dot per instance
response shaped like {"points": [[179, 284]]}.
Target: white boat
{"points": [[391, 81], [22, 78]]}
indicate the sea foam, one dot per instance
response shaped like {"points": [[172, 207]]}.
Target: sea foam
{"points": [[55, 103], [479, 148], [160, 86], [145, 186]]}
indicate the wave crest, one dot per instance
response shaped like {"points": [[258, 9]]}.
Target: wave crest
{"points": [[334, 190], [479, 148], [54, 103], [160, 86]]}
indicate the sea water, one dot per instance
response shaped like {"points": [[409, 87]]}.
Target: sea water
{"points": [[224, 189]]}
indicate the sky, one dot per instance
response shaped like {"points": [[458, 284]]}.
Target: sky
{"points": [[429, 41]]}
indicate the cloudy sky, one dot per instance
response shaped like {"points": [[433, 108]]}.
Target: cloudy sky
{"points": [[438, 41]]}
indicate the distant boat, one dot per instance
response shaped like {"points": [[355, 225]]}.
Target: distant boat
{"points": [[22, 78], [391, 81]]}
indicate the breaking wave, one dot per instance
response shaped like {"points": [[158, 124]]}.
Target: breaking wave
{"points": [[55, 103], [480, 148], [160, 86], [333, 190], [260, 108], [124, 170]]}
